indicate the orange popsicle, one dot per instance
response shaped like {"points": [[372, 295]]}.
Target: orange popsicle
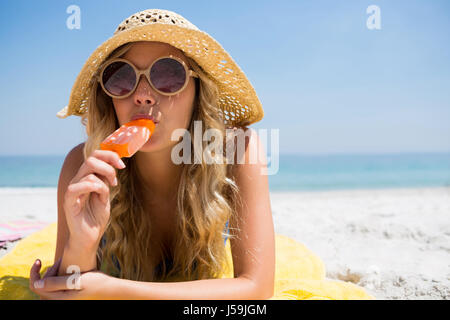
{"points": [[129, 138]]}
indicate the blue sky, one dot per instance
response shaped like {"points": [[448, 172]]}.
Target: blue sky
{"points": [[327, 82]]}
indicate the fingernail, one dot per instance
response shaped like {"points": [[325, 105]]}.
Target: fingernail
{"points": [[121, 164], [115, 181], [37, 262], [39, 284]]}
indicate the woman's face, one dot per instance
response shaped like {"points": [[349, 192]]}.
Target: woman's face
{"points": [[172, 112]]}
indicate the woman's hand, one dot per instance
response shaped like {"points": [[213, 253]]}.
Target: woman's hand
{"points": [[88, 285], [86, 201]]}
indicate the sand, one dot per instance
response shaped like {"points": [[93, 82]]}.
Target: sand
{"points": [[393, 242]]}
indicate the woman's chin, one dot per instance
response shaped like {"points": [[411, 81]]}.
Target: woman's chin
{"points": [[151, 145]]}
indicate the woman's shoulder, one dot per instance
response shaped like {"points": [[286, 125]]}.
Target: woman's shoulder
{"points": [[249, 158], [77, 152], [75, 158], [245, 143]]}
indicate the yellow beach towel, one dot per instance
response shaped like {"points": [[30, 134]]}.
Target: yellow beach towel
{"points": [[299, 273]]}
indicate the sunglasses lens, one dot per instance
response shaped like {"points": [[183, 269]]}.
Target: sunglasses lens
{"points": [[168, 75], [119, 78]]}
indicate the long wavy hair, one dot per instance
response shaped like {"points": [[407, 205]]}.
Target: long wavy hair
{"points": [[207, 197]]}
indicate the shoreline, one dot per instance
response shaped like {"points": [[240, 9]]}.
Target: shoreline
{"points": [[394, 242]]}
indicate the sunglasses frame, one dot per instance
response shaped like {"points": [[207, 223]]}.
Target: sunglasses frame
{"points": [[146, 72]]}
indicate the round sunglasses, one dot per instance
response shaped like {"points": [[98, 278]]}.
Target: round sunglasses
{"points": [[168, 75]]}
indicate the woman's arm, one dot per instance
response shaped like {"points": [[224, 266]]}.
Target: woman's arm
{"points": [[253, 249], [97, 285], [210, 289], [85, 259], [71, 253]]}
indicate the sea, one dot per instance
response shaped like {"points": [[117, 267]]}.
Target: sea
{"points": [[295, 172]]}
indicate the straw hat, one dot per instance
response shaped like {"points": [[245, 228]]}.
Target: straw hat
{"points": [[238, 102]]}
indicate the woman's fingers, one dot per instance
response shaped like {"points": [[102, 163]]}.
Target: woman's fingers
{"points": [[56, 283], [98, 167], [104, 194], [77, 193], [101, 162], [52, 286], [53, 270], [94, 175], [76, 190], [110, 157], [34, 274]]}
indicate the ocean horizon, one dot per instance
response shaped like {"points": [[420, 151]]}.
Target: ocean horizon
{"points": [[297, 172]]}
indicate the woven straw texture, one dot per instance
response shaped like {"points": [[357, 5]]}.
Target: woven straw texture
{"points": [[239, 105]]}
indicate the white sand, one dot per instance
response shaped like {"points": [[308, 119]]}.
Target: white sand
{"points": [[393, 242]]}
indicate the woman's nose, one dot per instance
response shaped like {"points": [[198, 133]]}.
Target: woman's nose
{"points": [[144, 94]]}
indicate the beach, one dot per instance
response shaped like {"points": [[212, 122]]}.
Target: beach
{"points": [[393, 242]]}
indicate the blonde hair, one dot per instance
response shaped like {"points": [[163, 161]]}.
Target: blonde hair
{"points": [[207, 197]]}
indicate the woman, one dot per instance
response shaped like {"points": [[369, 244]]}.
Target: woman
{"points": [[152, 225]]}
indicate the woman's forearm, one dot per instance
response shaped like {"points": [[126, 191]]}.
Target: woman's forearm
{"points": [[83, 258], [209, 289]]}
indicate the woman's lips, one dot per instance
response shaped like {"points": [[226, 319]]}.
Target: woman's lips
{"points": [[144, 116]]}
